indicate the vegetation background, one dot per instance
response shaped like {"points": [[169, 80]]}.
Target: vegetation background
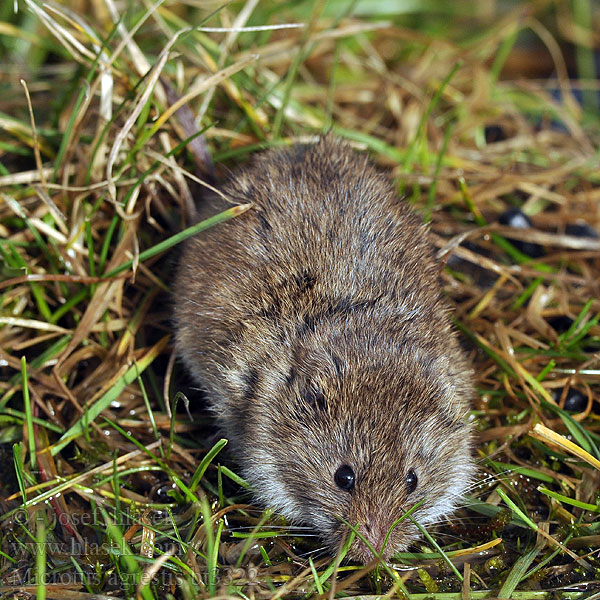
{"points": [[487, 114]]}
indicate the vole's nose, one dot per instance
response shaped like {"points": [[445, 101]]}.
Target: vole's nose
{"points": [[374, 536]]}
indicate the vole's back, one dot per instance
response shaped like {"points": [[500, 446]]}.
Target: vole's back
{"points": [[326, 236]]}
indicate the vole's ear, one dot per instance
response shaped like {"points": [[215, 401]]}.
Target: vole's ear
{"points": [[447, 374], [310, 403], [313, 397]]}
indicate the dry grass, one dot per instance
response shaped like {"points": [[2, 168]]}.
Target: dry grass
{"points": [[108, 486]]}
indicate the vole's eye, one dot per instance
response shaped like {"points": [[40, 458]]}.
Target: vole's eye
{"points": [[344, 478], [411, 481]]}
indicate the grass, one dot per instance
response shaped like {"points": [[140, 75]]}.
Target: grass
{"points": [[113, 483]]}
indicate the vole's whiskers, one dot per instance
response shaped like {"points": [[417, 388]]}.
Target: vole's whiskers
{"points": [[493, 477], [315, 553]]}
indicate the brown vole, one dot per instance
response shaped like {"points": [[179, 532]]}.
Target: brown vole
{"points": [[315, 325]]}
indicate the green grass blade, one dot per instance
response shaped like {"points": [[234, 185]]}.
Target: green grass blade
{"points": [[28, 415], [230, 213], [571, 501], [516, 573], [205, 462], [40, 556]]}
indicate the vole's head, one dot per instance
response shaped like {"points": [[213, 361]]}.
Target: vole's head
{"points": [[360, 430]]}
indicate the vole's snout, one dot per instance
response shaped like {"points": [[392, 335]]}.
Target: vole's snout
{"points": [[375, 534]]}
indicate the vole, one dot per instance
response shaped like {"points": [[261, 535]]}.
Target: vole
{"points": [[315, 325]]}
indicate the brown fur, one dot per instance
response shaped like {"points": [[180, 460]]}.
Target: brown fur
{"points": [[315, 325]]}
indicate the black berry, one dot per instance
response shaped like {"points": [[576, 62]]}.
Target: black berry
{"points": [[575, 401], [513, 217], [581, 230]]}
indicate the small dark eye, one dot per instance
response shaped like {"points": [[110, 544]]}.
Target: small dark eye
{"points": [[344, 478], [411, 481]]}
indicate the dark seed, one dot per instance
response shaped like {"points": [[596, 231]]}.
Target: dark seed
{"points": [[161, 494], [575, 401], [560, 323], [494, 133], [581, 230], [476, 248], [483, 278], [513, 217], [528, 248]]}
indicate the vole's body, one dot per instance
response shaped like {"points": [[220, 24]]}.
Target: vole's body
{"points": [[315, 325]]}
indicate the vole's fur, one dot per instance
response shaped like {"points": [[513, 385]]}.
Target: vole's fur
{"points": [[315, 325]]}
